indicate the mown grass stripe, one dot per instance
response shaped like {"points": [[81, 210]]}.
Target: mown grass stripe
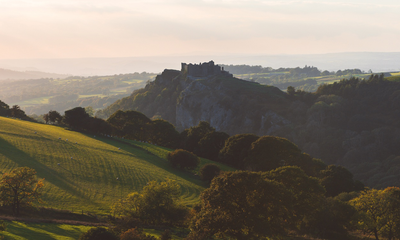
{"points": [[88, 181]]}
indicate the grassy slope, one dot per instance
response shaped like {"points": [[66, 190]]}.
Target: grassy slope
{"points": [[44, 231], [162, 152], [86, 178], [51, 231]]}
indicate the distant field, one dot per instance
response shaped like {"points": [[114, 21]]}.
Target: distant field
{"points": [[34, 101], [92, 95], [395, 78], [33, 95], [395, 74], [87, 173], [329, 79], [118, 90], [333, 78], [253, 75], [132, 81]]}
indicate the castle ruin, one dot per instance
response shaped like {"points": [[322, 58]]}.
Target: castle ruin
{"points": [[203, 70]]}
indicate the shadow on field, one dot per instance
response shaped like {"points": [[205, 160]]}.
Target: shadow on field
{"points": [[152, 159], [45, 231], [19, 230], [50, 175]]}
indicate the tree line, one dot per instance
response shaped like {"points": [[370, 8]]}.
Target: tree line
{"points": [[15, 111], [278, 190], [237, 205], [276, 204], [241, 151]]}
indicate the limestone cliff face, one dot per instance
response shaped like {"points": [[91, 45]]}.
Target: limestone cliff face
{"points": [[196, 104], [212, 101], [229, 104]]}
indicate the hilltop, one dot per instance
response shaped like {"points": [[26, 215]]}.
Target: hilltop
{"points": [[351, 122], [226, 102], [85, 172]]}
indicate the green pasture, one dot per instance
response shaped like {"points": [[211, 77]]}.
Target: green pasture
{"points": [[33, 102], [132, 81], [53, 231], [258, 75], [43, 231], [92, 95], [329, 79], [86, 172], [162, 152], [118, 90]]}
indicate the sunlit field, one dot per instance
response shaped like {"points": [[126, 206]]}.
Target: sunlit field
{"points": [[86, 172], [52, 231], [33, 102], [43, 231]]}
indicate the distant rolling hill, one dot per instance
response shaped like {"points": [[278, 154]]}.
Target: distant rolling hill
{"points": [[6, 74], [86, 172]]}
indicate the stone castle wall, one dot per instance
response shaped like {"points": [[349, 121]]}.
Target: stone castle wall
{"points": [[203, 69]]}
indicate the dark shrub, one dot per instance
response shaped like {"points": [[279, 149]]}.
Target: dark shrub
{"points": [[183, 159], [166, 235], [209, 171], [98, 233], [135, 234]]}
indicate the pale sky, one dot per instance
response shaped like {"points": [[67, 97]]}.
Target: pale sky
{"points": [[133, 28]]}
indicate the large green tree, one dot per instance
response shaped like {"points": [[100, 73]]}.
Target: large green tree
{"points": [[379, 212], [307, 191], [183, 159], [52, 117], [333, 220], [163, 133], [209, 171], [242, 205], [236, 149], [16, 111], [55, 116], [156, 204], [4, 109], [269, 152], [19, 188], [76, 118], [210, 145], [337, 179], [132, 124], [192, 135]]}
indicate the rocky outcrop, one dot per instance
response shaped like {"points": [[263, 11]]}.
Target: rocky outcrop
{"points": [[203, 100], [353, 123]]}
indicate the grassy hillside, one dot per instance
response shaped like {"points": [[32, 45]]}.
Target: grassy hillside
{"points": [[53, 231], [86, 172], [162, 152], [44, 231]]}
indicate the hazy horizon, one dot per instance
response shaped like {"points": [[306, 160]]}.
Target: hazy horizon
{"points": [[48, 29], [377, 62]]}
